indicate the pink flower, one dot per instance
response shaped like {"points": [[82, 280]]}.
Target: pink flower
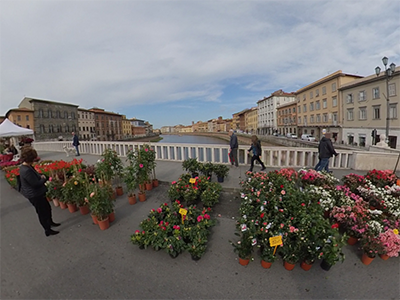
{"points": [[206, 216], [199, 218], [137, 232], [283, 192], [159, 210], [173, 182], [282, 225], [146, 149], [92, 194], [141, 166]]}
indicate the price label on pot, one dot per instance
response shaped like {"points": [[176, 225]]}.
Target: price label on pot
{"points": [[275, 240], [183, 211], [192, 180]]}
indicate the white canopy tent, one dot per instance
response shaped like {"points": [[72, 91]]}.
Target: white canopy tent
{"points": [[8, 129]]}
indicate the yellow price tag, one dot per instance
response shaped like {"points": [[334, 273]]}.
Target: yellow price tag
{"points": [[275, 240], [192, 180], [183, 211]]}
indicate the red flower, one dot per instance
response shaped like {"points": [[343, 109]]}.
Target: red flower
{"points": [[262, 215], [336, 225], [281, 186], [303, 204]]}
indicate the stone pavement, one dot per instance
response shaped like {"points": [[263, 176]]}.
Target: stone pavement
{"points": [[83, 262]]}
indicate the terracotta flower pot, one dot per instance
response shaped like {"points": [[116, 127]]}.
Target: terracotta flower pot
{"points": [[84, 209], [132, 199], [244, 262], [155, 182], [48, 199], [142, 187], [142, 197], [305, 266], [63, 205], [94, 218], [266, 264], [56, 202], [114, 195], [111, 217], [366, 260], [72, 207], [384, 256], [289, 266], [352, 240], [119, 190], [149, 186], [104, 224]]}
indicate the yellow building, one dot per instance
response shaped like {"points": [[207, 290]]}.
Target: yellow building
{"points": [[251, 120], [319, 106], [21, 116], [126, 128]]}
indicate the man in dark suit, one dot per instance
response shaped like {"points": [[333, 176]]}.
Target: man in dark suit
{"points": [[325, 151], [75, 143]]}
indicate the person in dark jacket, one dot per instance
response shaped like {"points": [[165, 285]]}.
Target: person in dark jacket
{"points": [[32, 186], [325, 152], [256, 149], [234, 145], [75, 143]]}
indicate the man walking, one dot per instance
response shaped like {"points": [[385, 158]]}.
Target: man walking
{"points": [[75, 143], [233, 143], [326, 151]]}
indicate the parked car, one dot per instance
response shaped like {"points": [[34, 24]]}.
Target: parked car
{"points": [[308, 137], [291, 135]]}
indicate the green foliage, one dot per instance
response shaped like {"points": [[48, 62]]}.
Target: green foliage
{"points": [[221, 170], [109, 166], [99, 199], [210, 196], [54, 188], [74, 189], [206, 168], [191, 165]]}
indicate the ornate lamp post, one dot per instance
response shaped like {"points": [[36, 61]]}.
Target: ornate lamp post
{"points": [[389, 75]]}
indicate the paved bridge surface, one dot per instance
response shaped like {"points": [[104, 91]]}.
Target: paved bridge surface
{"points": [[83, 262]]}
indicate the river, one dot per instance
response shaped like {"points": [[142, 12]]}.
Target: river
{"points": [[191, 139]]}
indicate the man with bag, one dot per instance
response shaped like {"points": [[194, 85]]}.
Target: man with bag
{"points": [[233, 143]]}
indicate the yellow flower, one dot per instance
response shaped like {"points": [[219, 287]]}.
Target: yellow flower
{"points": [[395, 231], [76, 182]]}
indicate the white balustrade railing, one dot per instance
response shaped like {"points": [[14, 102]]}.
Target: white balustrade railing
{"points": [[275, 157]]}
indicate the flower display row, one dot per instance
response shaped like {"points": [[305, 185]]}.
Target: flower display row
{"points": [[278, 206]]}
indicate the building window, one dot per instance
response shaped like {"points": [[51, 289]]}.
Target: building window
{"points": [[324, 103], [66, 128], [304, 97], [41, 129], [58, 114], [65, 115], [311, 119], [375, 93], [304, 108], [362, 96], [324, 90], [393, 111], [317, 105], [318, 118], [349, 98], [361, 140], [51, 129], [362, 113], [311, 95], [350, 114], [19, 117], [49, 113], [294, 109], [299, 120], [312, 106], [27, 118], [40, 113], [334, 87], [334, 101], [392, 89], [305, 120], [376, 112], [316, 92], [325, 118], [299, 109]]}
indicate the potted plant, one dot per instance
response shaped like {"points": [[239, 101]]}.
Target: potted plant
{"points": [[390, 241], [206, 169], [331, 253], [54, 189], [109, 167], [98, 198], [267, 254], [191, 165], [197, 247], [131, 183], [210, 196], [221, 171], [74, 192], [243, 247]]}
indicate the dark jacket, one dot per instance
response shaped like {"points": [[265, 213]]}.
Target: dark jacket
{"points": [[325, 148], [233, 143], [32, 184], [75, 140], [256, 148]]}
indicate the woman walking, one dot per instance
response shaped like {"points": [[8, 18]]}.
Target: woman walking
{"points": [[32, 186], [256, 149]]}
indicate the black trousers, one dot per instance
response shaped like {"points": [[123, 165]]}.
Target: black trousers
{"points": [[257, 158], [233, 155], [43, 210]]}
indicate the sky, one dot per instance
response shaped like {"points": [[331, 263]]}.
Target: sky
{"points": [[174, 62]]}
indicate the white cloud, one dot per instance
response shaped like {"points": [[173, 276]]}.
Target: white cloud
{"points": [[122, 53]]}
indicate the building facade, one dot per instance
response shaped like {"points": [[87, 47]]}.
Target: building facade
{"points": [[22, 117], [319, 106], [267, 117], [52, 120], [287, 118], [87, 125], [108, 125], [365, 109], [251, 120], [126, 128]]}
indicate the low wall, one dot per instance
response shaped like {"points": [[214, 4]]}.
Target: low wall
{"points": [[374, 160]]}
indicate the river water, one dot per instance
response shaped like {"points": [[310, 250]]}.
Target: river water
{"points": [[191, 139]]}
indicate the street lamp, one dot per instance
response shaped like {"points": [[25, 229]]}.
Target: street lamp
{"points": [[388, 73]]}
